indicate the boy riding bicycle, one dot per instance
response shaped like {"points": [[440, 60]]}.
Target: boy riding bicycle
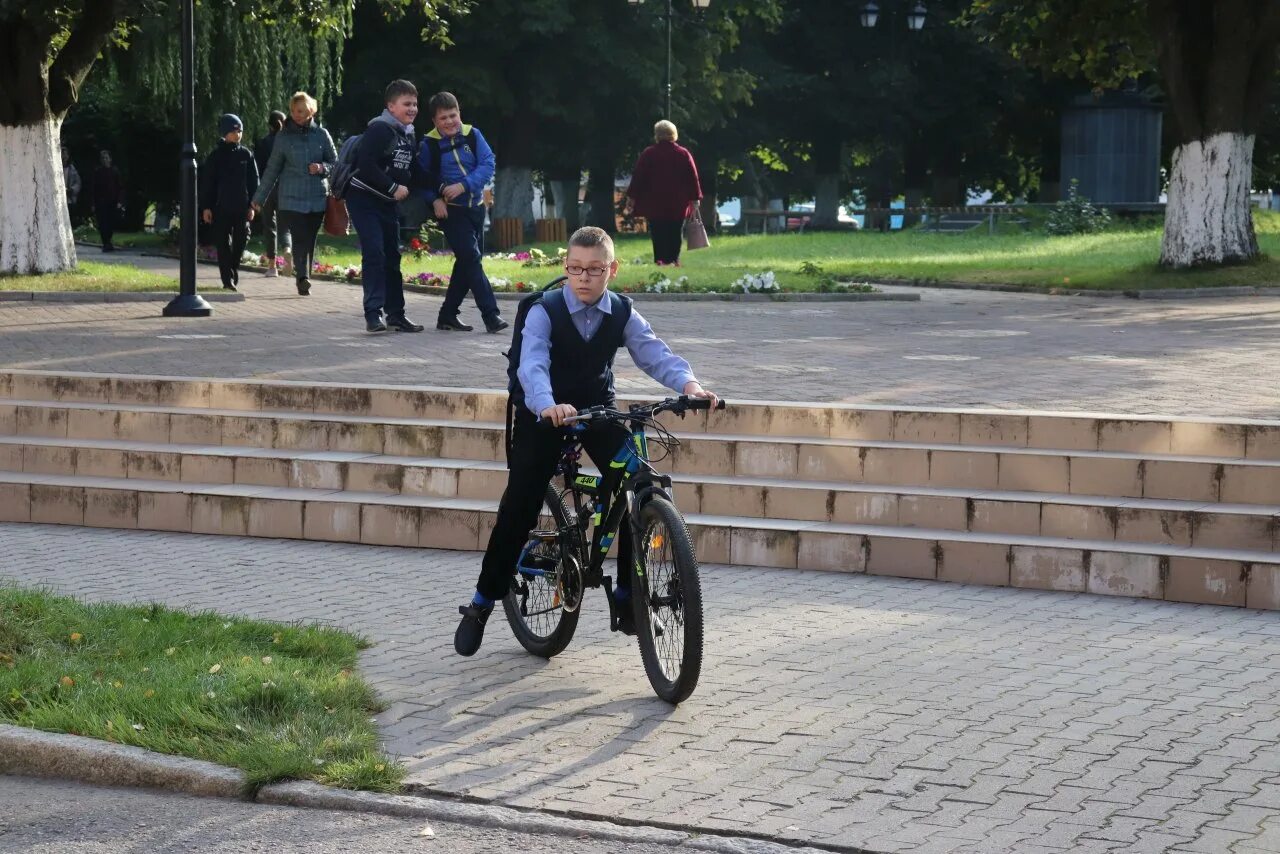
{"points": [[563, 362]]}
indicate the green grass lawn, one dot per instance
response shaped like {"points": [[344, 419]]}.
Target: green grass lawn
{"points": [[124, 239], [92, 276], [278, 701], [1122, 258]]}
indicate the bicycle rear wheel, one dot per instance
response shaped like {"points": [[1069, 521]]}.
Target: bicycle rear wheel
{"points": [[535, 604], [667, 602]]}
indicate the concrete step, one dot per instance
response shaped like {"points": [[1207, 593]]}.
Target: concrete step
{"points": [[1171, 522], [1076, 431], [1127, 474], [1209, 575]]}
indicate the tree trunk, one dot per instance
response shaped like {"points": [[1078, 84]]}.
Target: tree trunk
{"points": [[710, 179], [826, 197], [513, 193], [566, 191], [600, 189], [35, 226], [513, 180], [1208, 220], [826, 202], [37, 87], [1217, 61]]}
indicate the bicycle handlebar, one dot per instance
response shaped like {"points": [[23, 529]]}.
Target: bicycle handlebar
{"points": [[683, 403]]}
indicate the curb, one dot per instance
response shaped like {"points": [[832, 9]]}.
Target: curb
{"points": [[35, 753], [1149, 293], [707, 297], [110, 296], [800, 296]]}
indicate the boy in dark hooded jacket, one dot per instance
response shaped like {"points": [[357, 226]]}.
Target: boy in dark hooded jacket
{"points": [[384, 171], [228, 182]]}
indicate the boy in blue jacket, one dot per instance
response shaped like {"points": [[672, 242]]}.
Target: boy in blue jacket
{"points": [[458, 163]]}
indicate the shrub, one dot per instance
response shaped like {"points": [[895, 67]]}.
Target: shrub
{"points": [[1076, 215]]}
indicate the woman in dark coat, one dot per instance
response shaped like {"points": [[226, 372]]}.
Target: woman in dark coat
{"points": [[108, 199], [664, 188]]}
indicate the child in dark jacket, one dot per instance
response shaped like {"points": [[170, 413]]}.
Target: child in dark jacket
{"points": [[228, 182], [383, 174]]}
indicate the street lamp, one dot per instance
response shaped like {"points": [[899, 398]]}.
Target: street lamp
{"points": [[915, 18], [701, 6], [915, 22], [188, 303]]}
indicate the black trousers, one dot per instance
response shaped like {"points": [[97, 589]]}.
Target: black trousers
{"points": [[230, 234], [105, 217], [375, 222], [668, 238], [535, 451], [464, 230], [303, 228], [270, 216]]}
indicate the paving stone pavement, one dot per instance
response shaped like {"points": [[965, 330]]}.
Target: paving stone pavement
{"points": [[841, 709], [954, 348]]}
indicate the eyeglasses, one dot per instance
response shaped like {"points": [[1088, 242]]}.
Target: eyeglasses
{"points": [[593, 272]]}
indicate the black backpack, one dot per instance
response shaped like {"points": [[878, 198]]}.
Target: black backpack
{"points": [[345, 169], [437, 153], [513, 354]]}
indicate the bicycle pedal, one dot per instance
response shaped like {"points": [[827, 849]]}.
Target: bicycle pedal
{"points": [[544, 536]]}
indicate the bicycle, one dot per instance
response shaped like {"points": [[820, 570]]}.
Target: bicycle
{"points": [[558, 563]]}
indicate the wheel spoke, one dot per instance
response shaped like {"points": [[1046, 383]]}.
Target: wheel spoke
{"points": [[666, 622]]}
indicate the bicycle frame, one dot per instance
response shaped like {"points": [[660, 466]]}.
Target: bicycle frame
{"points": [[639, 482]]}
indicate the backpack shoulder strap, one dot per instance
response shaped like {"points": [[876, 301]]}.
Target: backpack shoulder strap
{"points": [[513, 354], [437, 153]]}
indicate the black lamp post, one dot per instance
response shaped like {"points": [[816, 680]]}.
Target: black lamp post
{"points": [[915, 18], [188, 303], [869, 17], [701, 6]]}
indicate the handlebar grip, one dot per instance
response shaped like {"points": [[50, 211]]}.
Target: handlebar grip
{"points": [[702, 403]]}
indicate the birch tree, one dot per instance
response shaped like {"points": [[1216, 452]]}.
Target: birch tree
{"points": [[1216, 59], [47, 49]]}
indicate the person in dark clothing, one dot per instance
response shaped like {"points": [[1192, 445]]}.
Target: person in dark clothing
{"points": [[268, 219], [228, 182], [457, 163], [384, 172], [568, 343], [664, 188], [108, 199]]}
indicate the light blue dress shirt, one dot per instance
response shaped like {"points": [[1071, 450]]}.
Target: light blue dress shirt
{"points": [[650, 353]]}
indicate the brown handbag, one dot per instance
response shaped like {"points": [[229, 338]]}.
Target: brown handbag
{"points": [[695, 233], [336, 220]]}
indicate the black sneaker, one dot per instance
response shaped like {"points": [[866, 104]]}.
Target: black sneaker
{"points": [[626, 618], [454, 325], [374, 324], [229, 287], [304, 287], [403, 324], [466, 640], [496, 325]]}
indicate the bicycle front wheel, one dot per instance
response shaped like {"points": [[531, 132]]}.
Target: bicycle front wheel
{"points": [[667, 602], [543, 609]]}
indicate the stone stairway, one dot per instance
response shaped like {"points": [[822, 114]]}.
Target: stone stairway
{"points": [[1180, 509]]}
